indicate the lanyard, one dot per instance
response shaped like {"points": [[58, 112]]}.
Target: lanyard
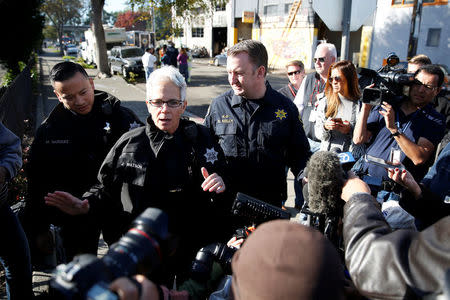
{"points": [[318, 88], [292, 90]]}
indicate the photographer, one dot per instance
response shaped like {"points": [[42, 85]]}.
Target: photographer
{"points": [[275, 270], [407, 132], [387, 264]]}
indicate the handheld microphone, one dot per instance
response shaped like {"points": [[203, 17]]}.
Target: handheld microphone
{"points": [[326, 178]]}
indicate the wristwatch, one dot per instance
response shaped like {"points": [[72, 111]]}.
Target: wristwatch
{"points": [[397, 133]]}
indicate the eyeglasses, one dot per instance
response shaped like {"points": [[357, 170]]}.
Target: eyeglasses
{"points": [[321, 59], [173, 103], [426, 86], [294, 73], [336, 78]]}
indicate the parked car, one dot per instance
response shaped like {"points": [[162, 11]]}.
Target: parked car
{"points": [[219, 60], [71, 50], [199, 52], [126, 59]]}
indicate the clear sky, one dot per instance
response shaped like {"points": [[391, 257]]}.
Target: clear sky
{"points": [[115, 5]]}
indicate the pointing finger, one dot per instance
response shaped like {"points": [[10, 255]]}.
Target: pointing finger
{"points": [[204, 172]]}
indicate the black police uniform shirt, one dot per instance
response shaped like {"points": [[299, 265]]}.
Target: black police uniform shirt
{"points": [[68, 150], [151, 168], [259, 138]]}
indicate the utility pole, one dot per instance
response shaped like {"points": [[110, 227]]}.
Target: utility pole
{"points": [[412, 43], [153, 18], [345, 42]]}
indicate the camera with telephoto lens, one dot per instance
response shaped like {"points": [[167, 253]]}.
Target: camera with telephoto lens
{"points": [[137, 252], [390, 82]]}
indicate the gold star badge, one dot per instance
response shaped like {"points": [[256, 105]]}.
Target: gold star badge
{"points": [[280, 114]]}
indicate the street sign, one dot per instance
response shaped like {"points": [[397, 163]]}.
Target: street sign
{"points": [[331, 12], [248, 16]]}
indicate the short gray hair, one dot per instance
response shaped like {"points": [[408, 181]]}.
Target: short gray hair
{"points": [[330, 47], [169, 73]]}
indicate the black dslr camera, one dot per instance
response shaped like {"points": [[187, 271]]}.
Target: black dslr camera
{"points": [[256, 212], [138, 251], [389, 82]]}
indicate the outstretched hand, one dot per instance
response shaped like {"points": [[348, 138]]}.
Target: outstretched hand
{"points": [[67, 203], [213, 182], [127, 289], [353, 185], [405, 179]]}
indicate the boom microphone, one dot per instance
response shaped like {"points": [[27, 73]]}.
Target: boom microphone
{"points": [[325, 181]]}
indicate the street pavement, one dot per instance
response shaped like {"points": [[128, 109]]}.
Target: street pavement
{"points": [[207, 82]]}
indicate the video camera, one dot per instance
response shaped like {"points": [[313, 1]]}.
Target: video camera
{"points": [[257, 212], [138, 251], [389, 82]]}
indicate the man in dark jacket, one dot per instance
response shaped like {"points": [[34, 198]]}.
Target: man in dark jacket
{"points": [[170, 165], [172, 54], [259, 129], [387, 264], [66, 154], [296, 72]]}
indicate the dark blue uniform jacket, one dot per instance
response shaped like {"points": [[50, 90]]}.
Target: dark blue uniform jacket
{"points": [[258, 146]]}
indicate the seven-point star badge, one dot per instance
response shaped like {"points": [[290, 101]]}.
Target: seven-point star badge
{"points": [[134, 125], [280, 114], [211, 155]]}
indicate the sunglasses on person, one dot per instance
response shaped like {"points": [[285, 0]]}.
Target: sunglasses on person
{"points": [[426, 86], [294, 73], [335, 78], [321, 59], [173, 103]]}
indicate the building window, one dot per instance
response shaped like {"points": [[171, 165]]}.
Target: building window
{"points": [[425, 2], [271, 10], [433, 37], [197, 32], [221, 7], [287, 8]]}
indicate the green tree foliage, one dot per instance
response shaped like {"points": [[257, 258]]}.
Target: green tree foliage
{"points": [[182, 8], [19, 38], [62, 12], [49, 32]]}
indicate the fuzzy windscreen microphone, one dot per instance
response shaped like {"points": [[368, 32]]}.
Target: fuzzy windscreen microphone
{"points": [[325, 182]]}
